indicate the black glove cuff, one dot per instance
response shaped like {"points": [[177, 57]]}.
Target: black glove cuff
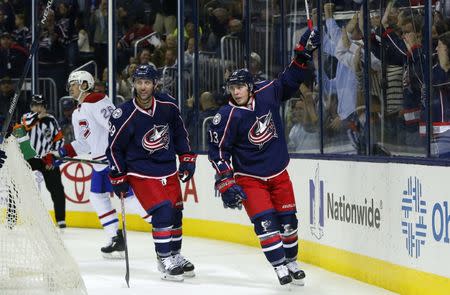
{"points": [[227, 174], [303, 57]]}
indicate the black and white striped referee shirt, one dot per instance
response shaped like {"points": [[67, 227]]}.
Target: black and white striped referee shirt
{"points": [[45, 133]]}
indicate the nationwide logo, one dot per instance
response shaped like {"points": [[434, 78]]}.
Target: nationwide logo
{"points": [[316, 219], [415, 214], [262, 130], [413, 218], [366, 214], [157, 138]]}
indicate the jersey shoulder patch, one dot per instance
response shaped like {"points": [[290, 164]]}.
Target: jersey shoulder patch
{"points": [[222, 115], [123, 111], [117, 113], [217, 118]]}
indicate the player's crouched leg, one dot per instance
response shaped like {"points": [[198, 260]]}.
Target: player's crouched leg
{"points": [[162, 237], [289, 224], [267, 229]]}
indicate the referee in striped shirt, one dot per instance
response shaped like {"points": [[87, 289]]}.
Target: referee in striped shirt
{"points": [[46, 136]]}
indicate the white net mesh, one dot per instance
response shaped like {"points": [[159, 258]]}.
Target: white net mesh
{"points": [[33, 258]]}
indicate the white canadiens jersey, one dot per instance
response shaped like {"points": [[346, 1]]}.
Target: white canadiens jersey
{"points": [[90, 126]]}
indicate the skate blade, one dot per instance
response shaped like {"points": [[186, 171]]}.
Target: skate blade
{"points": [[286, 287], [300, 282], [189, 274], [114, 255], [167, 277]]}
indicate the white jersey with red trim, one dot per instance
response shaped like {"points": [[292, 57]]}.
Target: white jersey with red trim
{"points": [[90, 125]]}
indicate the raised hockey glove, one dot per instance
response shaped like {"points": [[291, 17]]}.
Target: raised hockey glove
{"points": [[232, 194], [309, 42], [119, 183], [2, 158], [187, 166]]}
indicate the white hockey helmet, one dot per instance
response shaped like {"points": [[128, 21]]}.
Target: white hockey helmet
{"points": [[79, 77]]}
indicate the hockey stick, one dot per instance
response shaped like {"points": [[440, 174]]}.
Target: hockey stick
{"points": [[83, 161], [33, 50], [124, 231], [308, 18]]}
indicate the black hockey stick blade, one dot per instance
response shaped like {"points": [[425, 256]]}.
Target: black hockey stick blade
{"points": [[83, 161], [124, 231], [33, 50]]}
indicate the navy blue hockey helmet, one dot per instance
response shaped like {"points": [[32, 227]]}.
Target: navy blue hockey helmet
{"points": [[241, 76], [146, 72]]}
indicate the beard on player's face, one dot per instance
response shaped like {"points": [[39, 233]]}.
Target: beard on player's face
{"points": [[144, 90]]}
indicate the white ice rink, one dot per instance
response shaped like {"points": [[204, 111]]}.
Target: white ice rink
{"points": [[221, 268]]}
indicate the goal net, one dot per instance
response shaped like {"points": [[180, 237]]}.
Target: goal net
{"points": [[33, 258]]}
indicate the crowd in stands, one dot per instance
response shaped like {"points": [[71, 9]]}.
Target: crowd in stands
{"points": [[76, 32]]}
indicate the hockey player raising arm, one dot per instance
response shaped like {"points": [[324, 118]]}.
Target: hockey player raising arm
{"points": [[90, 124], [246, 137], [145, 135]]}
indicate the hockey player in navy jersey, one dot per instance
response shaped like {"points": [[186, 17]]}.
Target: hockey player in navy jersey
{"points": [[146, 134], [248, 150], [90, 124]]}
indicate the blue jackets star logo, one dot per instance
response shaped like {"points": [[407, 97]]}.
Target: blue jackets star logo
{"points": [[262, 130], [156, 138]]}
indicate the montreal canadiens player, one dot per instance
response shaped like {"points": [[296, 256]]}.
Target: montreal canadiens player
{"points": [[90, 124], [248, 150], [146, 134]]}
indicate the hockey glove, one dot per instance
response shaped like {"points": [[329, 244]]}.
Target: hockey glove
{"points": [[119, 183], [309, 42], [232, 194], [50, 161], [187, 166], [66, 150], [2, 158]]}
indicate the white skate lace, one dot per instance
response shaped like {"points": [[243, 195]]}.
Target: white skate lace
{"points": [[293, 266], [281, 271], [180, 260], [169, 263]]}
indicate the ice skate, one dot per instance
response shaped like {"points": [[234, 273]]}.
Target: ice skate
{"points": [[298, 275], [188, 267], [115, 250], [170, 271], [283, 274], [61, 226]]}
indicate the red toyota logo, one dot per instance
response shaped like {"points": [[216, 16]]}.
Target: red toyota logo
{"points": [[78, 176]]}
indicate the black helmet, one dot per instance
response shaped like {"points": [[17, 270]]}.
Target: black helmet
{"points": [[241, 76], [37, 99], [146, 72]]}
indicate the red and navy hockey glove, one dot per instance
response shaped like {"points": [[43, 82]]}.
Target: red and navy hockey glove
{"points": [[187, 166], [50, 161], [309, 42], [2, 158], [67, 150], [119, 183], [232, 194]]}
